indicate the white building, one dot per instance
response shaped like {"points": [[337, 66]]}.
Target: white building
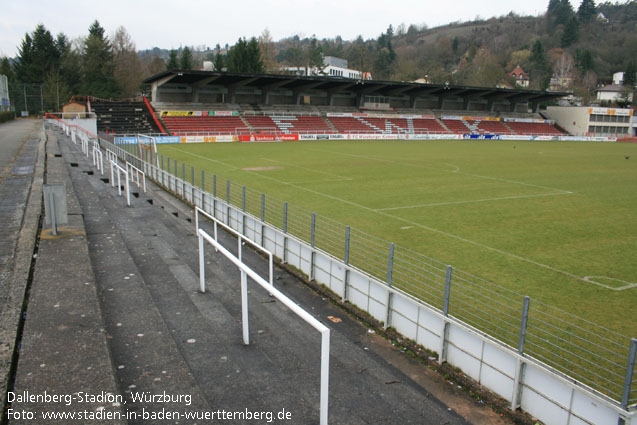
{"points": [[333, 67], [618, 78], [614, 93], [589, 121], [5, 104]]}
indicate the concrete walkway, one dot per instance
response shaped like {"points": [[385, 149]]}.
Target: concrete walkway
{"points": [[21, 173], [115, 311]]}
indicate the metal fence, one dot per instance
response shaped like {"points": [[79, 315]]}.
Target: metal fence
{"points": [[597, 357]]}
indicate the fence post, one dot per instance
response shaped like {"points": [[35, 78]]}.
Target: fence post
{"points": [[228, 202], [176, 175], [202, 265], [192, 184], [262, 219], [285, 231], [346, 261], [312, 244], [630, 367], [162, 170], [243, 208], [520, 365], [390, 294], [203, 189], [444, 333], [214, 195], [183, 180]]}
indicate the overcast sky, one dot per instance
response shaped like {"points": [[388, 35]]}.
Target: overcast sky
{"points": [[169, 24]]}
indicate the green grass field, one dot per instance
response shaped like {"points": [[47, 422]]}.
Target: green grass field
{"points": [[553, 220]]}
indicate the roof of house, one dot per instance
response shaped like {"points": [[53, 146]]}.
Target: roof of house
{"points": [[611, 88], [518, 73]]}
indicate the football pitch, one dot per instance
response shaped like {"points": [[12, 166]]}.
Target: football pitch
{"points": [[553, 220]]}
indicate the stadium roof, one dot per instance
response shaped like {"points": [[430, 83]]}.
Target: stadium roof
{"points": [[366, 87]]}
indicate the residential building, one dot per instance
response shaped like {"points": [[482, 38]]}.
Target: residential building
{"points": [[521, 78]]}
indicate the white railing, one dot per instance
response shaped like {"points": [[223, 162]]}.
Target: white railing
{"points": [[98, 158], [84, 145], [111, 156], [240, 239], [307, 317], [137, 176], [116, 168]]}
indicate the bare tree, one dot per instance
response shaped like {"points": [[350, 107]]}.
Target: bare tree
{"points": [[563, 70], [128, 68], [268, 52]]}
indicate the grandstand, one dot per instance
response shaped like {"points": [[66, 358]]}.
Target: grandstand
{"points": [[213, 103], [182, 125], [122, 116], [272, 122]]}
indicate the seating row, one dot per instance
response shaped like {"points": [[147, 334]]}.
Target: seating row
{"points": [[304, 124], [123, 117]]}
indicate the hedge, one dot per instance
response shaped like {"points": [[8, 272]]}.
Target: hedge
{"points": [[7, 116]]}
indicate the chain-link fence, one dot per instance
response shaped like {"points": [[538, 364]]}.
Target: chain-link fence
{"points": [[590, 353]]}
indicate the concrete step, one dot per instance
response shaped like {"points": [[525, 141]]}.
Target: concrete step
{"points": [[64, 350], [146, 356]]}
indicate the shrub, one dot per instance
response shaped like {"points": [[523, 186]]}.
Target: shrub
{"points": [[7, 116]]}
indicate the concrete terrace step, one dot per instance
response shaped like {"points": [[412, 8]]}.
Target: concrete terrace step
{"points": [[145, 354], [64, 349]]}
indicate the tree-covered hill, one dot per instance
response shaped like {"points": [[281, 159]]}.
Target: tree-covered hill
{"points": [[564, 49]]}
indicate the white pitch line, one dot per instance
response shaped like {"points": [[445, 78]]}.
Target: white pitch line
{"points": [[471, 201], [322, 181], [451, 235]]}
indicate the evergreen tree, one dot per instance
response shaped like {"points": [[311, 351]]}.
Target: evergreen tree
{"points": [[315, 58], [255, 64], [173, 62], [584, 61], [540, 70], [559, 12], [70, 65], [186, 61], [552, 7], [586, 11], [571, 32], [219, 62], [454, 45], [245, 56], [537, 54], [237, 56], [97, 64], [564, 13], [6, 69], [630, 75], [37, 56], [385, 55]]}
